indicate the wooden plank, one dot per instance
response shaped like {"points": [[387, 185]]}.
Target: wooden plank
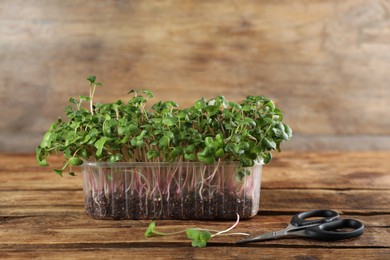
{"points": [[21, 172], [317, 59], [74, 230], [302, 200], [47, 218], [325, 170], [154, 252], [328, 170]]}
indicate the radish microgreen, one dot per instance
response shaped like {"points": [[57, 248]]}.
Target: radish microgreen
{"points": [[209, 131], [198, 236]]}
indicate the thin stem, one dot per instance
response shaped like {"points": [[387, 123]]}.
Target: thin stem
{"points": [[202, 182], [233, 234], [167, 234], [227, 230], [91, 92]]}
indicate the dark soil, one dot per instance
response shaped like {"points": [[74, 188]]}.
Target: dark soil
{"points": [[191, 206]]}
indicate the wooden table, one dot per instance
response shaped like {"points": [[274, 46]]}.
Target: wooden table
{"points": [[42, 215]]}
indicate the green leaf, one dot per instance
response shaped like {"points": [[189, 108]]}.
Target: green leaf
{"points": [[170, 104], [86, 139], [220, 152], [256, 149], [115, 157], [246, 108], [206, 159], [133, 128], [177, 151], [85, 98], [236, 138], [39, 154], [270, 104], [288, 131], [124, 140], [150, 230], [133, 141], [244, 146], [237, 149], [74, 101], [169, 121], [267, 157], [278, 113], [250, 121], [43, 162], [280, 126], [164, 141], [152, 154], [83, 153], [46, 141], [190, 156], [235, 105], [199, 237], [75, 161], [269, 143], [212, 110], [137, 100], [208, 141], [93, 132], [241, 174], [121, 131], [200, 104], [67, 153], [230, 148], [246, 162], [58, 172], [251, 155], [140, 143], [190, 149], [219, 139], [148, 93], [91, 79], [99, 144]]}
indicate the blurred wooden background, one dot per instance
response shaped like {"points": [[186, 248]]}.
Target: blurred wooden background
{"points": [[325, 62]]}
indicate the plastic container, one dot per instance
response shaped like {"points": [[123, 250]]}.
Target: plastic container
{"points": [[181, 190]]}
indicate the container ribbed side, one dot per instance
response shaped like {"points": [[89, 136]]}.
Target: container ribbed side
{"points": [[170, 191]]}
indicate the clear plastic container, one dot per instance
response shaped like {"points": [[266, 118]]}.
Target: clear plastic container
{"points": [[181, 190]]}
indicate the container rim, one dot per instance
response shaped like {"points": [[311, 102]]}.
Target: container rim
{"points": [[161, 164]]}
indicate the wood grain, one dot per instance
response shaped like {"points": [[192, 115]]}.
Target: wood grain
{"points": [[193, 253], [80, 229], [42, 215], [324, 62]]}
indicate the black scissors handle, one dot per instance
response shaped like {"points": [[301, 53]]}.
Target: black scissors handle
{"points": [[329, 230], [326, 226], [322, 215]]}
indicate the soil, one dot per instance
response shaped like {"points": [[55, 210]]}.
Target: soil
{"points": [[192, 206]]}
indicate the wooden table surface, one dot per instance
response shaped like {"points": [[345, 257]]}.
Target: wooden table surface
{"points": [[42, 215]]}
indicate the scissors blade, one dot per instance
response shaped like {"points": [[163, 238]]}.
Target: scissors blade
{"points": [[266, 236]]}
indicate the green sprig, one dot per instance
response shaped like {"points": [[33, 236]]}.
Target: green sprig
{"points": [[199, 236]]}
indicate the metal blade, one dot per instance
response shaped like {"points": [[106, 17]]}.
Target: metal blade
{"points": [[266, 236]]}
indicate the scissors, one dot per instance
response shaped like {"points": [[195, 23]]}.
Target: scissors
{"points": [[326, 225]]}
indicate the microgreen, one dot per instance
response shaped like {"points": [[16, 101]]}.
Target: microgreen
{"points": [[209, 131], [198, 236]]}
